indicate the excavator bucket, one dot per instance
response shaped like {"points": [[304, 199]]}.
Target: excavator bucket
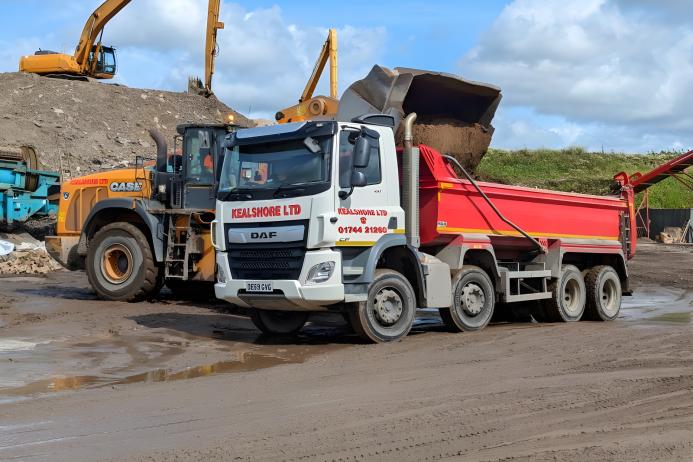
{"points": [[454, 114]]}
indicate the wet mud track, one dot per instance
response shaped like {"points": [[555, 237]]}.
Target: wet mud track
{"points": [[82, 379]]}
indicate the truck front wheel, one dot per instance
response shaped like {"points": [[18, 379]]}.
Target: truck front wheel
{"points": [[388, 313], [120, 265], [603, 293], [473, 301], [278, 322]]}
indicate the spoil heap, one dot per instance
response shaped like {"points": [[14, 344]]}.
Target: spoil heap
{"points": [[89, 126]]}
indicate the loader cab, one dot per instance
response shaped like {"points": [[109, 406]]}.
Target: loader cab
{"points": [[196, 170], [105, 66]]}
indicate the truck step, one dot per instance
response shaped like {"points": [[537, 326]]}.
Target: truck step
{"points": [[527, 297], [352, 271], [529, 274]]}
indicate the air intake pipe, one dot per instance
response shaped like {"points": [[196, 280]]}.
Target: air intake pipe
{"points": [[410, 180], [161, 150]]}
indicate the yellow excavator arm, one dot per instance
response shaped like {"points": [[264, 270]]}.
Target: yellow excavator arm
{"points": [[91, 58], [309, 107], [94, 28], [211, 50]]}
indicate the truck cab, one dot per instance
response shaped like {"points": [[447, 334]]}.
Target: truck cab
{"points": [[304, 212]]}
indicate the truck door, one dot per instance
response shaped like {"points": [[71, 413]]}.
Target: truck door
{"points": [[199, 156], [363, 216]]}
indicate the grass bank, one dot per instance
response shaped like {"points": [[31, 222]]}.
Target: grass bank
{"points": [[577, 170]]}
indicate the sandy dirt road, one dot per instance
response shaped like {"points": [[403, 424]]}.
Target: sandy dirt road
{"points": [[82, 379]]}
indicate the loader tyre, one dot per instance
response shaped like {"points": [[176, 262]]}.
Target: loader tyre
{"points": [[603, 293], [278, 322], [120, 265], [388, 313], [568, 296], [473, 301]]}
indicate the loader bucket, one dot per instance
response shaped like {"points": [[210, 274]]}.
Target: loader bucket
{"points": [[454, 114]]}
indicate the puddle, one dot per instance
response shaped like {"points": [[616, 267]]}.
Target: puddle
{"points": [[663, 305], [245, 362]]}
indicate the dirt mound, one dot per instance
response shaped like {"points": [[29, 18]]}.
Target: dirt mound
{"points": [[28, 257], [465, 142], [90, 126]]}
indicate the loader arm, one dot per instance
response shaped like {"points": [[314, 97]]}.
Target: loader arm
{"points": [[93, 28], [213, 26]]}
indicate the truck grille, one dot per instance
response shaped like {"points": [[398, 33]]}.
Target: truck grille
{"points": [[267, 263]]}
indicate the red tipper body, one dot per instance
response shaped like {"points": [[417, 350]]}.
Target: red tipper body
{"points": [[452, 209]]}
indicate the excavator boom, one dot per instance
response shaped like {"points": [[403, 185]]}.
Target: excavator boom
{"points": [[310, 107], [94, 27], [213, 26]]}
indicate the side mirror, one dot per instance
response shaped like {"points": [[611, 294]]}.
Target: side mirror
{"points": [[358, 179], [362, 152]]}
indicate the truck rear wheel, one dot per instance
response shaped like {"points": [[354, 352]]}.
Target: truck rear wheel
{"points": [[473, 301], [120, 265], [603, 293], [388, 313], [567, 303], [278, 322]]}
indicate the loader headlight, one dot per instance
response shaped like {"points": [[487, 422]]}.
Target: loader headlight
{"points": [[321, 272]]}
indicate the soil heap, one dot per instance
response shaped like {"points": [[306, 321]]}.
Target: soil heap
{"points": [[89, 126]]}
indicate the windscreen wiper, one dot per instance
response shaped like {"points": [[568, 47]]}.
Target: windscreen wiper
{"points": [[236, 194], [289, 190]]}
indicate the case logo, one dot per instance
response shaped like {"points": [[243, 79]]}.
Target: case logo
{"points": [[125, 186]]}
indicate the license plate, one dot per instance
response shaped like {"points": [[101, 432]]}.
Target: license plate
{"points": [[259, 286]]}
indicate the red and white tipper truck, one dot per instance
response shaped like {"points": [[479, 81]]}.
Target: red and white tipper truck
{"points": [[332, 216]]}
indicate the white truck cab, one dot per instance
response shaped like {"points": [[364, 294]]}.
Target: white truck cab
{"points": [[304, 212]]}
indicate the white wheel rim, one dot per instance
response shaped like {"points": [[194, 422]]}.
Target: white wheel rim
{"points": [[571, 297], [608, 297]]}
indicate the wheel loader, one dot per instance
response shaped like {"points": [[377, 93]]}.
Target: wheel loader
{"points": [[135, 229]]}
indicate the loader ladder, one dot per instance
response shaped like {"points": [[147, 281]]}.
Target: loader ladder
{"points": [[177, 252]]}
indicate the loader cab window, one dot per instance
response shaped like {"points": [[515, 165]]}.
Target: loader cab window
{"points": [[347, 141], [199, 156]]}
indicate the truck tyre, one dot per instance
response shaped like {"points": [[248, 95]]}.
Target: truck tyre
{"points": [[278, 322], [120, 265], [603, 293], [388, 313], [473, 301], [568, 296]]}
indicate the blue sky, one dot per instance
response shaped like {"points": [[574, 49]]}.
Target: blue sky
{"points": [[612, 75]]}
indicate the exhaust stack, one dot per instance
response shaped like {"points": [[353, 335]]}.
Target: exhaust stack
{"points": [[410, 180]]}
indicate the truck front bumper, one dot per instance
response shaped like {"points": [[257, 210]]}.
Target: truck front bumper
{"points": [[288, 295]]}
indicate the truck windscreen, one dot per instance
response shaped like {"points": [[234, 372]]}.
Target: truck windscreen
{"points": [[286, 168]]}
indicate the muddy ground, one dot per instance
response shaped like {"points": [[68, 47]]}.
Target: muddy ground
{"points": [[82, 379]]}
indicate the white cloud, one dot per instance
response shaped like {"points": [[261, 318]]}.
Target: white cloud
{"points": [[263, 63], [602, 66]]}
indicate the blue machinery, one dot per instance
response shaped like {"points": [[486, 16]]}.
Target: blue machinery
{"points": [[25, 191]]}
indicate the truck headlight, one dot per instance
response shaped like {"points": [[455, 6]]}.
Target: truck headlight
{"points": [[321, 272]]}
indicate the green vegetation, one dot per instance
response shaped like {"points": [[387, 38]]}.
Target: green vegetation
{"points": [[576, 170]]}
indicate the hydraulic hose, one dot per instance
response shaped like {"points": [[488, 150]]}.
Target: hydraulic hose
{"points": [[540, 247]]}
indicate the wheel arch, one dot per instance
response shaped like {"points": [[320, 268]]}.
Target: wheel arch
{"points": [[485, 260], [588, 260], [124, 210]]}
